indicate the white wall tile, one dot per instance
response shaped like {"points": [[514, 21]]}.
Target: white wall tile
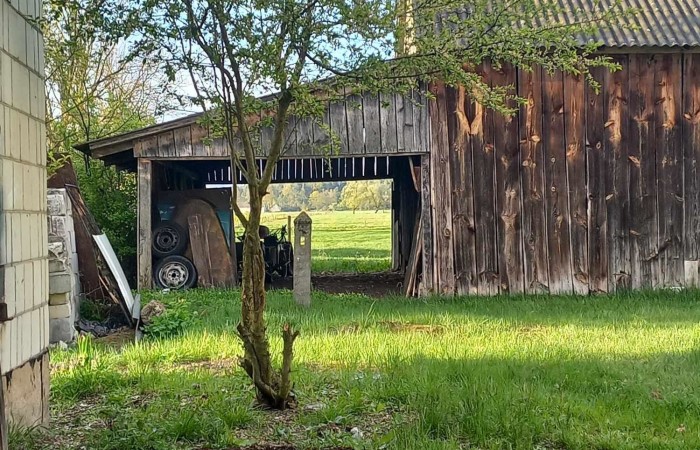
{"points": [[5, 249], [17, 44], [5, 349], [23, 229], [16, 236]]}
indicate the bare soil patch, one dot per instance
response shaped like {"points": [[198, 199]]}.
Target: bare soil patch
{"points": [[377, 285]]}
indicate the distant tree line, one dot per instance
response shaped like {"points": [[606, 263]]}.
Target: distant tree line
{"points": [[372, 195]]}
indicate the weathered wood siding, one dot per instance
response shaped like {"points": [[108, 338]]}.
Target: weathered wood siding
{"points": [[581, 191], [144, 216], [364, 124]]}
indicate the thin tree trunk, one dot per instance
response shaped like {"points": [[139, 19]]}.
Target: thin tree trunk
{"points": [[273, 389], [257, 353]]}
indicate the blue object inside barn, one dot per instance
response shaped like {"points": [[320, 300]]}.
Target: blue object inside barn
{"points": [[166, 210]]}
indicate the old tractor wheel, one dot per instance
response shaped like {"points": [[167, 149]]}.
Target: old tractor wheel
{"points": [[169, 239], [175, 272]]}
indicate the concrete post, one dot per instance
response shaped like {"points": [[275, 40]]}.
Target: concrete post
{"points": [[64, 273], [302, 259]]}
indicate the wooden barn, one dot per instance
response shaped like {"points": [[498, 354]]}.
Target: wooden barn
{"points": [[581, 191], [381, 137]]}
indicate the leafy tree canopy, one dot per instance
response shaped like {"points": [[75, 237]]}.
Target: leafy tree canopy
{"points": [[366, 195], [94, 90]]}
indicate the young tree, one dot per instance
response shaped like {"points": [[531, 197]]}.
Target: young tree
{"points": [[94, 91], [352, 196], [379, 194], [309, 51]]}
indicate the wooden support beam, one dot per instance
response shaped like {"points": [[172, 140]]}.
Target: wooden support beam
{"points": [[145, 191], [411, 275], [395, 225], [427, 228], [440, 189]]}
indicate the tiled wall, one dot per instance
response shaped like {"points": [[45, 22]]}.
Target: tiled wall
{"points": [[23, 223]]}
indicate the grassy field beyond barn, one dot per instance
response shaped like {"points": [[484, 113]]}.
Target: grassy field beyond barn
{"points": [[343, 241], [495, 373]]}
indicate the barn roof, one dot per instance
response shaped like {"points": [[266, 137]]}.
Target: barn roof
{"points": [[672, 24], [649, 24], [657, 23], [384, 125]]}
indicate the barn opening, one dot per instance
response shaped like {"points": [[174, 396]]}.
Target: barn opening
{"points": [[365, 250], [185, 178], [351, 221], [351, 240]]}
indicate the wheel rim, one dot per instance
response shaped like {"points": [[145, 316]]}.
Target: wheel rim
{"points": [[166, 239], [173, 275]]}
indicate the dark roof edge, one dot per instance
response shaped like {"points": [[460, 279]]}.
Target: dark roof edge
{"points": [[86, 147]]}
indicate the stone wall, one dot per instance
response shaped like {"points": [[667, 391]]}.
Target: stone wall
{"points": [[64, 278], [24, 307]]}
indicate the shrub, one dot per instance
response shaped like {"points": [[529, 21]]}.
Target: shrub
{"points": [[176, 318]]}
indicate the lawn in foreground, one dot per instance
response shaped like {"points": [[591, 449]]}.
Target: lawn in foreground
{"points": [[536, 372], [345, 242]]}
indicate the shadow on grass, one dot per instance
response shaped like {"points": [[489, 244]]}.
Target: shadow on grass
{"points": [[649, 402], [556, 397], [649, 308], [490, 402]]}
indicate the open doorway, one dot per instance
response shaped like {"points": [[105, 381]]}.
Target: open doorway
{"points": [[364, 212], [351, 237]]}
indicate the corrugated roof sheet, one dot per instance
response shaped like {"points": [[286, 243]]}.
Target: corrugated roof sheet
{"points": [[654, 23], [657, 23]]}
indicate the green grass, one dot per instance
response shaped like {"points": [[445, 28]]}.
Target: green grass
{"points": [[343, 241], [497, 373]]}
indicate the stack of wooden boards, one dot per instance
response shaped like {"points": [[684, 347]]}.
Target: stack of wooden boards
{"points": [[412, 285], [207, 248]]}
